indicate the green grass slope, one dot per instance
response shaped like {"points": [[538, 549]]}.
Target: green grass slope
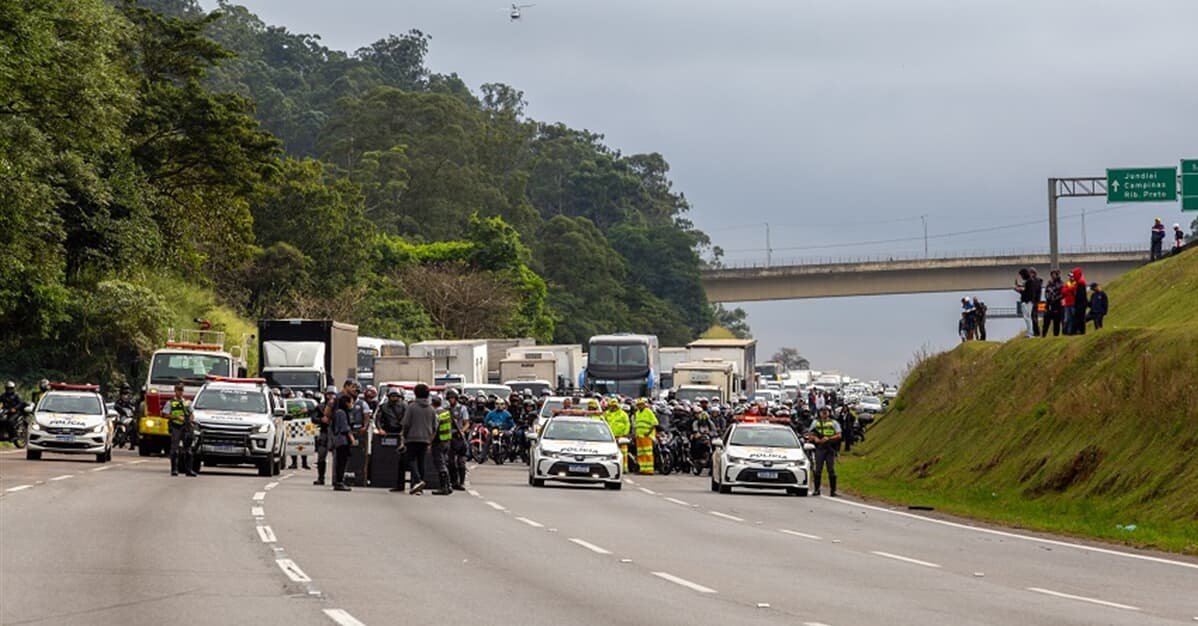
{"points": [[1078, 435]]}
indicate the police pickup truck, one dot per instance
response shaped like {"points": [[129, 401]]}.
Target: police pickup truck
{"points": [[71, 419], [575, 449], [240, 421], [760, 456]]}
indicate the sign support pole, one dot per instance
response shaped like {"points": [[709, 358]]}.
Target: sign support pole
{"points": [[1080, 187]]}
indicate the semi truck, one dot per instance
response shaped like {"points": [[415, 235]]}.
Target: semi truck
{"points": [[307, 355], [742, 353], [390, 369], [568, 358], [706, 374], [464, 360]]}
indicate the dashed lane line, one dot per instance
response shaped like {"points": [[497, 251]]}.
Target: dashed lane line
{"points": [[1069, 596], [473, 493], [1001, 533], [63, 477], [292, 571], [137, 462], [259, 496], [726, 516], [906, 559], [266, 534], [678, 502], [495, 505], [100, 469], [532, 523], [814, 624], [342, 617], [648, 491], [270, 486], [683, 582], [589, 546], [18, 488], [799, 534], [257, 511]]}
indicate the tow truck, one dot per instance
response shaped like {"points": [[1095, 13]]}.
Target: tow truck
{"points": [[189, 356]]}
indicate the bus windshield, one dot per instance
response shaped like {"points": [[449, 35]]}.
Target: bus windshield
{"points": [[629, 355], [169, 368]]}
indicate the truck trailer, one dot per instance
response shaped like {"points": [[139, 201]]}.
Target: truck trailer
{"points": [[307, 355], [466, 358]]}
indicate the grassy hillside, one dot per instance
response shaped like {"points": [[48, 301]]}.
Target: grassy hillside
{"points": [[1078, 435], [186, 302]]}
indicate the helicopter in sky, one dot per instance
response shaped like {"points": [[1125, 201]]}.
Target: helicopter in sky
{"points": [[517, 9]]}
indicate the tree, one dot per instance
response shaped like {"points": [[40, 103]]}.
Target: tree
{"points": [[791, 359], [462, 302], [735, 321]]}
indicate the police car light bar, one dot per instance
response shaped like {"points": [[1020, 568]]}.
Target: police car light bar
{"points": [[68, 387], [187, 345], [229, 379]]}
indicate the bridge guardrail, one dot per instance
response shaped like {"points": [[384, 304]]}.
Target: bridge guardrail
{"points": [[967, 254]]}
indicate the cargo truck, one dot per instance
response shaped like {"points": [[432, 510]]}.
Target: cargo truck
{"points": [[742, 353], [389, 369], [706, 374], [568, 358], [307, 355], [511, 370], [669, 358], [464, 358], [371, 348], [497, 352]]}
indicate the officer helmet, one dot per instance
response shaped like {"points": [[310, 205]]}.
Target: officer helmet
{"points": [[593, 404], [393, 391], [545, 393], [451, 393], [330, 389], [613, 403], [43, 384], [642, 402], [436, 400], [179, 386], [10, 385], [125, 387], [527, 393]]}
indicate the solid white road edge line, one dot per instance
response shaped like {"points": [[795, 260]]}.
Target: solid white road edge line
{"points": [[18, 488], [648, 491], [726, 516], [799, 534], [495, 505], [63, 477], [1070, 596], [904, 558], [292, 570], [341, 616], [100, 469], [684, 582], [257, 511], [1002, 533], [677, 501], [266, 534], [589, 546], [259, 496], [531, 522]]}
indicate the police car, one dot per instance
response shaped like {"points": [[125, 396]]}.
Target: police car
{"points": [[240, 421], [575, 449], [71, 419], [760, 456]]}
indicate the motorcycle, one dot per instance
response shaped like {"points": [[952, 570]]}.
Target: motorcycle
{"points": [[500, 446], [700, 453], [14, 425], [479, 443], [122, 436], [520, 445]]}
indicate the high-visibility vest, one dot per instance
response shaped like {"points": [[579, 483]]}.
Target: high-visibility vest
{"points": [[176, 410], [825, 429], [444, 426], [618, 422], [646, 421]]}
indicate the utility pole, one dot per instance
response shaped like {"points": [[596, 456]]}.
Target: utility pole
{"points": [[1083, 230], [769, 252], [925, 234]]}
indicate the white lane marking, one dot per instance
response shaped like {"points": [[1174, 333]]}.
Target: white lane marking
{"points": [[100, 469], [342, 617], [270, 486], [473, 493], [648, 491], [292, 570], [266, 534], [814, 624], [1001, 533], [630, 481], [677, 501], [904, 558], [259, 496], [799, 534], [495, 505], [763, 605], [590, 546], [63, 477], [18, 488], [684, 582], [286, 476], [137, 462], [531, 522], [726, 516], [257, 511], [1070, 596]]}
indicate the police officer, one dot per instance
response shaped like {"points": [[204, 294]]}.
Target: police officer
{"points": [[824, 432], [126, 405], [390, 413], [441, 444], [457, 445], [180, 419], [322, 417], [10, 399]]}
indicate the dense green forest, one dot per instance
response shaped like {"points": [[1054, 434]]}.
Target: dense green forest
{"points": [[151, 151]]}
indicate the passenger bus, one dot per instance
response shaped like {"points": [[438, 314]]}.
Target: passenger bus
{"points": [[623, 364]]}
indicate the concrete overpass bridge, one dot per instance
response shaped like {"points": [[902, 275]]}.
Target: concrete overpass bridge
{"points": [[885, 275]]}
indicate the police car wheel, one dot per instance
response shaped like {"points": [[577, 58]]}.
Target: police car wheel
{"points": [[714, 486], [797, 491], [33, 455], [613, 486], [264, 468], [725, 489], [536, 482]]}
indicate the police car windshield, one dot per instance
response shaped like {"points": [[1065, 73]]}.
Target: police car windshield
{"points": [[578, 431], [83, 405], [240, 400], [764, 438]]}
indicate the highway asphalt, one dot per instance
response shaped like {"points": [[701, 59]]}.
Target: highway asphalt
{"points": [[125, 543]]}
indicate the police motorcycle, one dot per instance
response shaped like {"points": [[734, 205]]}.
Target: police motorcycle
{"points": [[501, 446], [14, 424]]}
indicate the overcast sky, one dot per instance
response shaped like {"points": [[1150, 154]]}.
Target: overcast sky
{"points": [[840, 122]]}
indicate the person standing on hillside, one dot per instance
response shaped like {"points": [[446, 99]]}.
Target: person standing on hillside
{"points": [[979, 313], [1052, 304], [1158, 239], [1025, 304], [1068, 300], [1179, 239], [1098, 305], [1036, 284], [1080, 302]]}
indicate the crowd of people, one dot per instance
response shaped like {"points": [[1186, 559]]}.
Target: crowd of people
{"points": [[1158, 239], [1064, 306]]}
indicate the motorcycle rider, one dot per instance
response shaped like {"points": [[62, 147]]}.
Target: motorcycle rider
{"points": [[824, 432], [457, 445], [10, 400], [702, 430], [181, 418], [126, 406]]}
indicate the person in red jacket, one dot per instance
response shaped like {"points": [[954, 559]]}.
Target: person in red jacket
{"points": [[1080, 301], [1068, 299]]}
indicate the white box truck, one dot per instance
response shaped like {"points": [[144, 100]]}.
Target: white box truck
{"points": [[742, 353], [466, 358], [706, 375], [569, 359], [671, 357], [390, 369], [497, 352]]}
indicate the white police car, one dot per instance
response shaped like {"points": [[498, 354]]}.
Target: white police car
{"points": [[71, 419], [760, 456], [575, 449], [240, 421]]}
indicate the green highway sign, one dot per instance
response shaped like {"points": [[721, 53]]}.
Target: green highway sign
{"points": [[1141, 184], [1189, 185]]}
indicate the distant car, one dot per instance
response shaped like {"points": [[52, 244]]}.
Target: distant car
{"points": [[535, 387], [499, 391], [870, 404], [71, 419], [770, 396], [575, 449], [890, 393], [760, 456]]}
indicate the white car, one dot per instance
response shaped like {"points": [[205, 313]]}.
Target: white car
{"points": [[71, 419], [760, 456], [890, 393], [575, 449], [239, 421], [870, 404]]}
